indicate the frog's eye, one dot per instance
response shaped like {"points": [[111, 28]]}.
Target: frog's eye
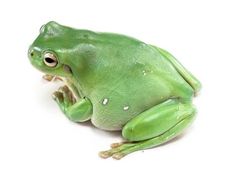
{"points": [[50, 60]]}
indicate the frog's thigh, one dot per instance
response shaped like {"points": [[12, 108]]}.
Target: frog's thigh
{"points": [[166, 120]]}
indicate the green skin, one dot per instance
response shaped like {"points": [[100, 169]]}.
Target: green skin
{"points": [[117, 82]]}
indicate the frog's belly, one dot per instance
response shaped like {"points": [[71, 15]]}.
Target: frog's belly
{"points": [[113, 109]]}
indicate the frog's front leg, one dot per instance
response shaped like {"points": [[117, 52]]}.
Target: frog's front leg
{"points": [[77, 111], [153, 127]]}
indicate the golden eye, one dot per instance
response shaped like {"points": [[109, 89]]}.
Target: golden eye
{"points": [[50, 60]]}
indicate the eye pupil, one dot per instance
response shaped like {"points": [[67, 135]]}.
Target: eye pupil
{"points": [[49, 60]]}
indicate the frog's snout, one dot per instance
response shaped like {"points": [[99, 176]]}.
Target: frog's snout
{"points": [[34, 55], [34, 52], [31, 52]]}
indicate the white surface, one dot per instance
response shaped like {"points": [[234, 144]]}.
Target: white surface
{"points": [[37, 139]]}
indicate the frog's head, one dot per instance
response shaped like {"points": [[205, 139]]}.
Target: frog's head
{"points": [[57, 49]]}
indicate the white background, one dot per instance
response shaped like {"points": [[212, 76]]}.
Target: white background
{"points": [[36, 138]]}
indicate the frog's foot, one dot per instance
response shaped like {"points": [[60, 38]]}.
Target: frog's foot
{"points": [[76, 110], [117, 151], [68, 96], [49, 77], [153, 127], [64, 98]]}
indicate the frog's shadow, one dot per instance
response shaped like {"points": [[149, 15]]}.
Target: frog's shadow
{"points": [[117, 134], [88, 124]]}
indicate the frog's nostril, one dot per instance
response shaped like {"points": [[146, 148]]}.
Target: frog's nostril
{"points": [[32, 53]]}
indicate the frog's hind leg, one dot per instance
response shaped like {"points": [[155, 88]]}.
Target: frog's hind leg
{"points": [[189, 78], [153, 127]]}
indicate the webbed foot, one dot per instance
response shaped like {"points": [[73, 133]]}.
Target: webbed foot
{"points": [[75, 110], [64, 97], [118, 150]]}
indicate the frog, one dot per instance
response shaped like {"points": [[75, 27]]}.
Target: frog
{"points": [[118, 83]]}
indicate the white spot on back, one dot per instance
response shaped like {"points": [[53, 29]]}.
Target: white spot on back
{"points": [[144, 72], [105, 101], [126, 108]]}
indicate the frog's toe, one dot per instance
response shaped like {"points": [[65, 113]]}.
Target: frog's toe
{"points": [[50, 78], [118, 155], [57, 96], [67, 95], [63, 88], [115, 145], [118, 150], [104, 154], [110, 153]]}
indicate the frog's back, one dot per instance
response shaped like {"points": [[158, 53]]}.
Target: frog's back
{"points": [[131, 77]]}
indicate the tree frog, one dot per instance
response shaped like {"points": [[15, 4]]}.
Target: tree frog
{"points": [[118, 83]]}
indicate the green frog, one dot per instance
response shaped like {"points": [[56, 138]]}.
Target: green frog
{"points": [[118, 83]]}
